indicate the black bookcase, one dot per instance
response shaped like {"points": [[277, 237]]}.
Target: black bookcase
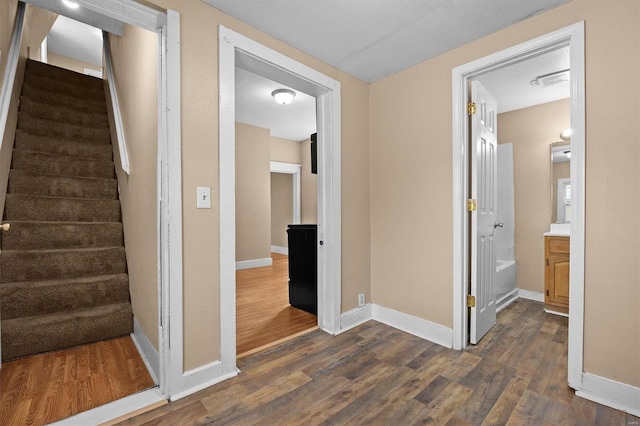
{"points": [[303, 267]]}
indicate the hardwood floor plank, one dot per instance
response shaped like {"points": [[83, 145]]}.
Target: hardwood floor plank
{"points": [[263, 313], [48, 387], [358, 378]]}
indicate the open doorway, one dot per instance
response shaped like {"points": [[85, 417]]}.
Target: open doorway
{"points": [[573, 37], [237, 50], [274, 186]]}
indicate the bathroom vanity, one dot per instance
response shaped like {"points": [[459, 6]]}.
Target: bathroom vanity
{"points": [[556, 273]]}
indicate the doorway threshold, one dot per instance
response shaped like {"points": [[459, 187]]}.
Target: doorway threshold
{"points": [[277, 342]]}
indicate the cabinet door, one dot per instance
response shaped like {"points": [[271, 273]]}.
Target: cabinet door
{"points": [[558, 290]]}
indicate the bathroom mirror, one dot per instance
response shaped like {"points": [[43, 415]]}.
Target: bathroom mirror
{"points": [[560, 182]]}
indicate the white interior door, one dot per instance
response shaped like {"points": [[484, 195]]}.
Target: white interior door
{"points": [[484, 190]]}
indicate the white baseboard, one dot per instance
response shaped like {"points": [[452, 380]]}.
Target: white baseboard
{"points": [[253, 263], [200, 378], [531, 295], [610, 393], [148, 353], [115, 409], [422, 328], [507, 299], [551, 311], [280, 250], [355, 317]]}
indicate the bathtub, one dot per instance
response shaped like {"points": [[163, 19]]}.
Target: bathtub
{"points": [[506, 288]]}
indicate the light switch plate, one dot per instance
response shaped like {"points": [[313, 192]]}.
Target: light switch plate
{"points": [[204, 197]]}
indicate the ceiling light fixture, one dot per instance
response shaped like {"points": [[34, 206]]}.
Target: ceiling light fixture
{"points": [[71, 4], [565, 135], [551, 79], [283, 96]]}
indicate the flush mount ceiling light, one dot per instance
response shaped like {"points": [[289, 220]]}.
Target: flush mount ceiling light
{"points": [[565, 135], [70, 4], [283, 96], [551, 79]]}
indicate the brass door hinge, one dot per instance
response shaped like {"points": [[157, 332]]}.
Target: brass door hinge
{"points": [[471, 301], [471, 108], [471, 204]]}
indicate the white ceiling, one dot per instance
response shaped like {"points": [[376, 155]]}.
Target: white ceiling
{"points": [[376, 38], [76, 40], [256, 106], [511, 86]]}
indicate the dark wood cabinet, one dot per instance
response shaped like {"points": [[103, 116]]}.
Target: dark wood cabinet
{"points": [[303, 267]]}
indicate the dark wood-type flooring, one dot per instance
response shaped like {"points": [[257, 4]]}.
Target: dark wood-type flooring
{"points": [[44, 388], [263, 313], [374, 374]]}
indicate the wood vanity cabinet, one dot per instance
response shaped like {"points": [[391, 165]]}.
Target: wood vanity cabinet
{"points": [[556, 273]]}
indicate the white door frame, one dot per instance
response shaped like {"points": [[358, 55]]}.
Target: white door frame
{"points": [[572, 36], [234, 50], [294, 170]]}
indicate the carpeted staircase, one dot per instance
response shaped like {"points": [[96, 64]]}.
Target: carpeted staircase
{"points": [[63, 271]]}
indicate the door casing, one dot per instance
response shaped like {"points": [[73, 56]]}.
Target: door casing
{"points": [[234, 49], [572, 36]]}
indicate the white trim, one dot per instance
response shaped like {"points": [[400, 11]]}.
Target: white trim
{"points": [[550, 311], [9, 80], [128, 11], [507, 299], [610, 393], [11, 70], [148, 353], [355, 317], [531, 295], [115, 409], [115, 104], [280, 250], [44, 51], [253, 263], [422, 328], [291, 169], [200, 378], [236, 49], [572, 36]]}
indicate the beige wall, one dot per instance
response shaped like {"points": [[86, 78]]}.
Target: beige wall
{"points": [[308, 186], [37, 24], [253, 199], [285, 150], [70, 63], [199, 90], [135, 70], [281, 207], [411, 180], [532, 130], [560, 171]]}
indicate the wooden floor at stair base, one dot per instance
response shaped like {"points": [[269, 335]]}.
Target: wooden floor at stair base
{"points": [[374, 374], [44, 388], [263, 313]]}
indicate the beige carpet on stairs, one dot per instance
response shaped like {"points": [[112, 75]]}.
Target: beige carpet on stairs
{"points": [[63, 269]]}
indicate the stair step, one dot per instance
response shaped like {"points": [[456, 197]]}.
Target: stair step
{"points": [[63, 130], [64, 74], [25, 182], [56, 209], [73, 88], [52, 145], [43, 333], [40, 162], [29, 298], [43, 110], [31, 91], [61, 235], [37, 265]]}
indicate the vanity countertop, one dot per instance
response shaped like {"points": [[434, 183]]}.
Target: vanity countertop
{"points": [[559, 230]]}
